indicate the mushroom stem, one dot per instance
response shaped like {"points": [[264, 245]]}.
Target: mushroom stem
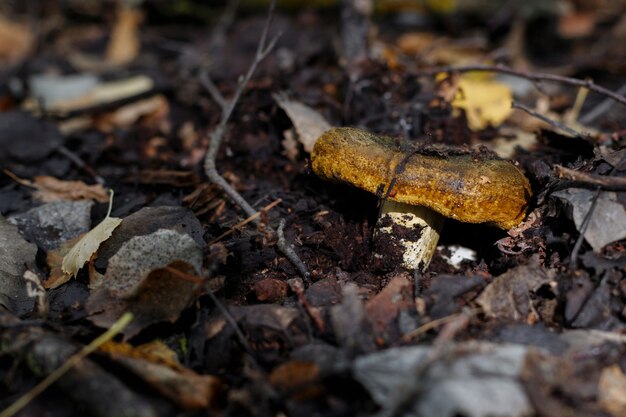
{"points": [[406, 235]]}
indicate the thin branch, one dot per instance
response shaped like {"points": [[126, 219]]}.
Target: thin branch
{"points": [[210, 86], [247, 220], [583, 179], [217, 137], [551, 122], [80, 163], [533, 76], [289, 251]]}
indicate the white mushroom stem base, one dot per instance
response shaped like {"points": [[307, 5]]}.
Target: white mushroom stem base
{"points": [[405, 235]]}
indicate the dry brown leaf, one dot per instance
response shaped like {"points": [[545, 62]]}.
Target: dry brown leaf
{"points": [[16, 41], [309, 124], [612, 390], [151, 109], [511, 295], [414, 43], [158, 366], [577, 24], [52, 189], [301, 380], [54, 259], [87, 246], [103, 93], [124, 44]]}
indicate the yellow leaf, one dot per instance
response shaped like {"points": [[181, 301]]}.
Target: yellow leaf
{"points": [[485, 102], [84, 249]]}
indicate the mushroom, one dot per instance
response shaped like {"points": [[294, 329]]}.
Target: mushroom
{"points": [[419, 190]]}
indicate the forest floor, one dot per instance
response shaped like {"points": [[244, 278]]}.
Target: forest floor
{"points": [[238, 282]]}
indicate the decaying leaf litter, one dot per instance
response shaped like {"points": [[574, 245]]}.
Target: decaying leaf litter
{"points": [[253, 284]]}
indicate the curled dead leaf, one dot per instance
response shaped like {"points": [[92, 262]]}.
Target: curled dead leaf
{"points": [[85, 248]]}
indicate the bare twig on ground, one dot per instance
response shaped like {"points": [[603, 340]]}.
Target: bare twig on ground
{"points": [[217, 137], [603, 182], [246, 221], [532, 76], [551, 122], [80, 164], [433, 324], [289, 251]]}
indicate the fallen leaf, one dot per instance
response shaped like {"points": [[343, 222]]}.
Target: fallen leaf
{"points": [[54, 260], [157, 364], [89, 94], [577, 24], [270, 290], [147, 277], [16, 41], [415, 43], [124, 44], [309, 123], [349, 321], [383, 309], [52, 189], [608, 221], [147, 221], [129, 268], [462, 382], [298, 379], [152, 109], [51, 224], [16, 257], [53, 90], [511, 295], [612, 390], [87, 246], [486, 102], [448, 294]]}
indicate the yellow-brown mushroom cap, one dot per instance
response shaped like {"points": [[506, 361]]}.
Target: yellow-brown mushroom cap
{"points": [[458, 186]]}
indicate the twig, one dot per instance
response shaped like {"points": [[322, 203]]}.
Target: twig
{"points": [[23, 401], [80, 163], [436, 323], [289, 251], [533, 76], [602, 182], [546, 119], [297, 286], [583, 229], [217, 137], [246, 221]]}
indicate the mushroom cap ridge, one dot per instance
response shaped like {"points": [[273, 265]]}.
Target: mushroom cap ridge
{"points": [[459, 186]]}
